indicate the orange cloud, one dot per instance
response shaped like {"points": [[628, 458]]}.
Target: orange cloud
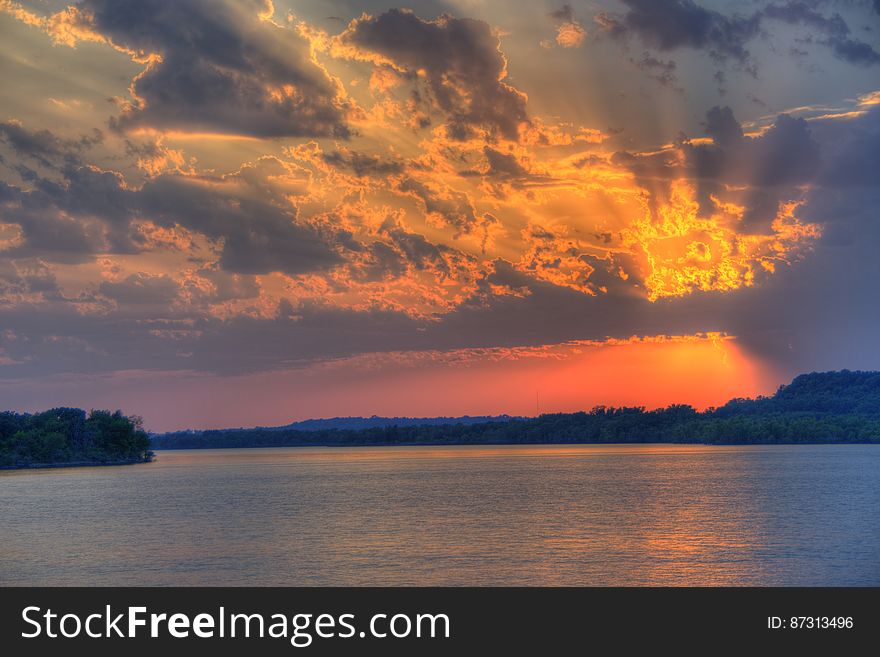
{"points": [[686, 252], [570, 35]]}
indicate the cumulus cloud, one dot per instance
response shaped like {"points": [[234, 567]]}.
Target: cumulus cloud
{"points": [[818, 314], [269, 219], [570, 35], [257, 237], [554, 256], [93, 211], [569, 31], [449, 207], [459, 60], [48, 230], [851, 151], [785, 154], [211, 66], [768, 168], [792, 319], [399, 252], [814, 314]]}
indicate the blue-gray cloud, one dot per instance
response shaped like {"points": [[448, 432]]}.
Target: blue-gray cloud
{"points": [[222, 69], [463, 65], [672, 24]]}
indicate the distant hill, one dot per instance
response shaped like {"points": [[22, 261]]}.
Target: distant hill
{"points": [[356, 423], [352, 423], [814, 408]]}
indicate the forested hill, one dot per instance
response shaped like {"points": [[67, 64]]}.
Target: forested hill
{"points": [[819, 407], [70, 436], [837, 393]]}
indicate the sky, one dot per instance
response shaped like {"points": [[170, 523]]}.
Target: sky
{"points": [[239, 213]]}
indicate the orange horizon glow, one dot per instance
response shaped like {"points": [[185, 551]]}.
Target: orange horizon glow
{"points": [[702, 371]]}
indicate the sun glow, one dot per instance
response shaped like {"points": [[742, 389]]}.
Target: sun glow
{"points": [[687, 252]]}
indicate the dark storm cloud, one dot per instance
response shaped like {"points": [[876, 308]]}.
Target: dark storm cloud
{"points": [[258, 237], [770, 167], [43, 146], [820, 312], [672, 24], [463, 65], [222, 69], [91, 211], [852, 152], [785, 154], [48, 231]]}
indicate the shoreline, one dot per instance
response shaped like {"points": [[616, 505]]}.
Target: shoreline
{"points": [[524, 444], [75, 464]]}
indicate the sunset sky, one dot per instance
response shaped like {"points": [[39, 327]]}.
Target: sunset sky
{"points": [[237, 213]]}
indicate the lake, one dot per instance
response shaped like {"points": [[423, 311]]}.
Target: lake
{"points": [[499, 515]]}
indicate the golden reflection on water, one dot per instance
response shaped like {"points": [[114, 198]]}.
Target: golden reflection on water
{"points": [[336, 454]]}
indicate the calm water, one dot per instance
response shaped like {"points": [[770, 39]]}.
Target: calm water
{"points": [[583, 515]]}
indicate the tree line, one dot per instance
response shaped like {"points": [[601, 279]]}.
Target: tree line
{"points": [[823, 407], [70, 435]]}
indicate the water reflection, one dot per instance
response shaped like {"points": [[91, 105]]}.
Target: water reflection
{"points": [[543, 515]]}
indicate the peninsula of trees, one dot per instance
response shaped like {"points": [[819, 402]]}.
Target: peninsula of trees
{"points": [[69, 436], [828, 407]]}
